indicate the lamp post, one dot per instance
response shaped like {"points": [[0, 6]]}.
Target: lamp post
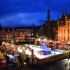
{"points": [[33, 29], [33, 32]]}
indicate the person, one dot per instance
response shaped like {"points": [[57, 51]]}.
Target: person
{"points": [[7, 58], [57, 46], [22, 57], [38, 43], [43, 46], [51, 46], [33, 59]]}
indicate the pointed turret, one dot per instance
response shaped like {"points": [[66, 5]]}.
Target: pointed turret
{"points": [[63, 14], [66, 16], [58, 17], [66, 11], [48, 23], [48, 15]]}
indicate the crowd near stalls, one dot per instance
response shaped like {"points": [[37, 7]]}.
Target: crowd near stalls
{"points": [[53, 44], [16, 54]]}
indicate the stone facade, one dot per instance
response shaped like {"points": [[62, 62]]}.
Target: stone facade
{"points": [[64, 28]]}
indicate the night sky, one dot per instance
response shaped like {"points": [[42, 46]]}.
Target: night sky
{"points": [[21, 13]]}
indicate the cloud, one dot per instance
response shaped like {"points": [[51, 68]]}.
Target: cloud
{"points": [[23, 19], [25, 12], [11, 6]]}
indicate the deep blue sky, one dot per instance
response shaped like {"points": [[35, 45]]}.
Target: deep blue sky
{"points": [[24, 12]]}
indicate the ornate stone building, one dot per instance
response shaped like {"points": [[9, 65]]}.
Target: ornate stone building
{"points": [[16, 34], [64, 27], [49, 28]]}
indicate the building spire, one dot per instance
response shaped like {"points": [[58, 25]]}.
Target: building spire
{"points": [[63, 14], [58, 17], [48, 15], [33, 29], [66, 11], [48, 23]]}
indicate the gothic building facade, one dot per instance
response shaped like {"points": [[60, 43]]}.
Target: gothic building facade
{"points": [[49, 28], [16, 34], [64, 27]]}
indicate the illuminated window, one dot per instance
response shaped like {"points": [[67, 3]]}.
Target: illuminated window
{"points": [[68, 34]]}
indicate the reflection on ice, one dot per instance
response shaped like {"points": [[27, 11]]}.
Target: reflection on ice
{"points": [[40, 56]]}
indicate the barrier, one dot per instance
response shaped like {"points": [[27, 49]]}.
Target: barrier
{"points": [[54, 58]]}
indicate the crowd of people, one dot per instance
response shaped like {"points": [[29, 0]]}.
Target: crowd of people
{"points": [[53, 44], [16, 54]]}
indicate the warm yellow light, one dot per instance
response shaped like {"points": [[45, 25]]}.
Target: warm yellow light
{"points": [[39, 39]]}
